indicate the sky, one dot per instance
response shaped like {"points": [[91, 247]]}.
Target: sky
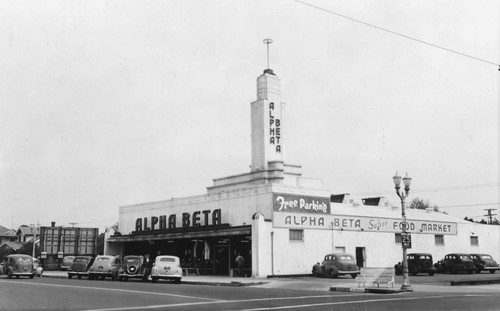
{"points": [[112, 103]]}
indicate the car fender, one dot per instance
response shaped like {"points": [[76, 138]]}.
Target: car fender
{"points": [[317, 269]]}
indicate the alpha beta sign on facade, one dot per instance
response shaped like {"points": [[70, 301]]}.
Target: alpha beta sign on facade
{"points": [[304, 212]]}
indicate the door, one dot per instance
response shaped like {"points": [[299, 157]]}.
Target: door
{"points": [[222, 260], [360, 256]]}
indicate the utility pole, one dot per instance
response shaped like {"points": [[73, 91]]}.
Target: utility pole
{"points": [[490, 215]]}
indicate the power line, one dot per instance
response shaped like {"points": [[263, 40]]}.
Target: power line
{"points": [[398, 34], [447, 188], [468, 205]]}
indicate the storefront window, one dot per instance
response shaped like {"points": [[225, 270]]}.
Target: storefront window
{"points": [[296, 235], [397, 238], [474, 241], [439, 239]]}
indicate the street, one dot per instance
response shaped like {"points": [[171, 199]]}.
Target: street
{"points": [[306, 293]]}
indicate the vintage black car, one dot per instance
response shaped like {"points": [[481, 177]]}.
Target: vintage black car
{"points": [[80, 266], [456, 262], [134, 266], [336, 264], [484, 262], [417, 263]]}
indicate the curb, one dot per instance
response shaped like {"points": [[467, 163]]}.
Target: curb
{"points": [[481, 282], [376, 290], [232, 283]]}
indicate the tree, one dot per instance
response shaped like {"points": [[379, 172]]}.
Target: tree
{"points": [[27, 249], [419, 203]]}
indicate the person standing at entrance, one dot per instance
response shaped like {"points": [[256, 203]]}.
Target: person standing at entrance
{"points": [[240, 263]]}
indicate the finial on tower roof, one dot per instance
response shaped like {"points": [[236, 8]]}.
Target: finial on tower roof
{"points": [[267, 42]]}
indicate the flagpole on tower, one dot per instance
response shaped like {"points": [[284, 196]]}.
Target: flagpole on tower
{"points": [[267, 42]]}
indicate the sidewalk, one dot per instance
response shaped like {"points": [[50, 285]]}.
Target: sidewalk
{"points": [[190, 279], [317, 284]]}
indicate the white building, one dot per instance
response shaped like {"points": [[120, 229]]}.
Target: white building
{"points": [[283, 223]]}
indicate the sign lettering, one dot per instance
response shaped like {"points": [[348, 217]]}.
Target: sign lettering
{"points": [[188, 220], [294, 218]]}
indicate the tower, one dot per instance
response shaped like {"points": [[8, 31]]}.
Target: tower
{"points": [[267, 122]]}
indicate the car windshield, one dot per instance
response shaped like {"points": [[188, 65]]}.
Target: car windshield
{"points": [[167, 259], [24, 260], [84, 260], [103, 259], [132, 260]]}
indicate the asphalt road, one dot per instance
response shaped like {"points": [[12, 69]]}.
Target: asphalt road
{"points": [[286, 294]]}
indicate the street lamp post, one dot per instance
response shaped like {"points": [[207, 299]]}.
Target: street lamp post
{"points": [[406, 287]]}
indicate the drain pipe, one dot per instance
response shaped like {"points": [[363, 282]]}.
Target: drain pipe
{"points": [[272, 252]]}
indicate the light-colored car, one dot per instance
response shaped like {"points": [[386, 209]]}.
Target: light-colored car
{"points": [[18, 265], [105, 266], [167, 268], [37, 268], [67, 262], [80, 266], [336, 264]]}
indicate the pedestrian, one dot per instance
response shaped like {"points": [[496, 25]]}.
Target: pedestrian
{"points": [[240, 263]]}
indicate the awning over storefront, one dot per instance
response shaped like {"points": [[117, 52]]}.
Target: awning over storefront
{"points": [[182, 235]]}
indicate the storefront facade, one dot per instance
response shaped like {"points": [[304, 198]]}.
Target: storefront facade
{"points": [[281, 222]]}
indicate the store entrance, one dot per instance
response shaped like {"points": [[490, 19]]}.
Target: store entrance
{"points": [[200, 255], [360, 256], [222, 260]]}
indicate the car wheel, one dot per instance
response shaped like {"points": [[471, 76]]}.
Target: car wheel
{"points": [[91, 276], [332, 274], [17, 276], [177, 281], [69, 276], [471, 271], [9, 274], [154, 280], [31, 276], [493, 271], [431, 273], [79, 277], [354, 275], [113, 277]]}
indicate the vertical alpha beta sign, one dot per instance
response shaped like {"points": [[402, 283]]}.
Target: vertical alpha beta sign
{"points": [[267, 122]]}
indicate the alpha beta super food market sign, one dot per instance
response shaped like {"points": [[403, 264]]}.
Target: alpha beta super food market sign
{"points": [[303, 212]]}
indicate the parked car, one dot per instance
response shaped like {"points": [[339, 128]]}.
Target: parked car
{"points": [[455, 263], [18, 265], [80, 266], [168, 268], [484, 262], [134, 266], [67, 262], [37, 269], [104, 266], [336, 264], [417, 263]]}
